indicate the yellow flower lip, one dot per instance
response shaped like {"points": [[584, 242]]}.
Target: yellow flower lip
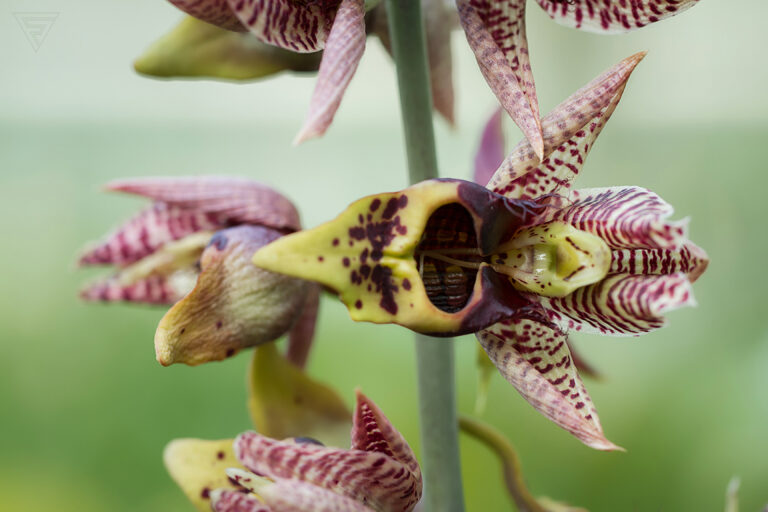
{"points": [[376, 256]]}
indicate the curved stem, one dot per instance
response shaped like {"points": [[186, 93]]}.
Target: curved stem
{"points": [[435, 357]]}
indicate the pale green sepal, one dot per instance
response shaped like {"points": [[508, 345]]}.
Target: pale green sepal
{"points": [[197, 49]]}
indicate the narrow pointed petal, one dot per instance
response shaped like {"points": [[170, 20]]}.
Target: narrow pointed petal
{"points": [[496, 33], [215, 12], [286, 402], [534, 357], [490, 153], [438, 24], [613, 16], [301, 335], [570, 131], [297, 496], [234, 304], [297, 26], [367, 254], [384, 474], [624, 217], [513, 473], [343, 51], [234, 200], [236, 501], [147, 232], [622, 304], [689, 259], [163, 277], [196, 49], [373, 432], [198, 467]]}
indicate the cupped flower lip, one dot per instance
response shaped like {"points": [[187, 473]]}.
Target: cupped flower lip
{"points": [[374, 256]]}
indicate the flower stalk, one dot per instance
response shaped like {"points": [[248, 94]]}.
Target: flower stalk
{"points": [[435, 357]]}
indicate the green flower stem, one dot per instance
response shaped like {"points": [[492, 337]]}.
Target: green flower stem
{"points": [[435, 357]]}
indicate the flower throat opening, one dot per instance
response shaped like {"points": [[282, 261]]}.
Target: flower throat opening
{"points": [[448, 257]]}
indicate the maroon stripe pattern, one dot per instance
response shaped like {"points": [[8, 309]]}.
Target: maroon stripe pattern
{"points": [[294, 25], [496, 33], [298, 496], [343, 51], [155, 289], [534, 357], [215, 12], [612, 16], [570, 130], [236, 501], [379, 470]]}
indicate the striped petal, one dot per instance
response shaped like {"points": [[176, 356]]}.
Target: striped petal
{"points": [[185, 206], [624, 217], [612, 16], [197, 49], [378, 477], [286, 402], [689, 259], [297, 26], [234, 304], [490, 152], [532, 354], [198, 467], [297, 496], [570, 131], [215, 12], [303, 332], [163, 277], [495, 31], [621, 304], [235, 501], [343, 51]]}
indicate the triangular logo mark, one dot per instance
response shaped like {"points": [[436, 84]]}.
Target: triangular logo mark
{"points": [[36, 26]]}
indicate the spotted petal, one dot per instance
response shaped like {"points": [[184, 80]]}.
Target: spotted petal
{"points": [[532, 354], [286, 402], [198, 467], [297, 26], [215, 12], [343, 51], [189, 205], [288, 495], [612, 16], [382, 475], [234, 304], [197, 49], [495, 31], [570, 131], [622, 304], [223, 500]]}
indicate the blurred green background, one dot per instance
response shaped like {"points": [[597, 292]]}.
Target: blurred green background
{"points": [[86, 410]]}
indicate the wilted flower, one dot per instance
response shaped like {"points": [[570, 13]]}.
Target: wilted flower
{"points": [[496, 33], [520, 264], [378, 473], [283, 35], [194, 246]]}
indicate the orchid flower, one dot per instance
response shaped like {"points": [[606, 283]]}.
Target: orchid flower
{"points": [[379, 473], [337, 27], [192, 248], [495, 30], [520, 262]]}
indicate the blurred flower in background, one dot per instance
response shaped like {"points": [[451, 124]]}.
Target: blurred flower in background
{"points": [[192, 248]]}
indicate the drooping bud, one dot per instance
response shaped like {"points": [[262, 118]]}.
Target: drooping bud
{"points": [[234, 305]]}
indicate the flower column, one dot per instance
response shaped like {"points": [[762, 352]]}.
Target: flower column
{"points": [[435, 357]]}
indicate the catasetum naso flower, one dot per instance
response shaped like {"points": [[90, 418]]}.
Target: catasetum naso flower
{"points": [[379, 473], [192, 248], [520, 262], [496, 33], [335, 27]]}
